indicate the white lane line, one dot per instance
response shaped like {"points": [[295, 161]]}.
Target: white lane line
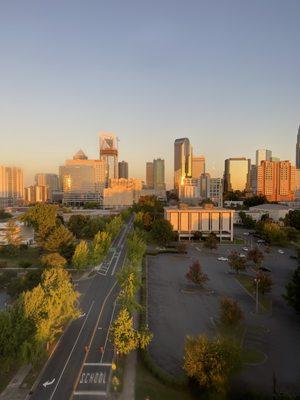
{"points": [[93, 393], [106, 339], [70, 355], [99, 364], [116, 263]]}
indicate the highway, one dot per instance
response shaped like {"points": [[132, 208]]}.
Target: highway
{"points": [[80, 366]]}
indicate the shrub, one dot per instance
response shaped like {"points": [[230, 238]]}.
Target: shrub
{"points": [[230, 312], [196, 275]]}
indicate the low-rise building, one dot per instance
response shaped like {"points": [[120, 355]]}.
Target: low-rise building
{"points": [[276, 212], [188, 220]]}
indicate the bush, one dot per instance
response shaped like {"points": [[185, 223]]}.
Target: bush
{"points": [[23, 247], [196, 275], [25, 264], [230, 312]]}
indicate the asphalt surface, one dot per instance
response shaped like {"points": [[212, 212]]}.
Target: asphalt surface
{"points": [[174, 313], [80, 366]]}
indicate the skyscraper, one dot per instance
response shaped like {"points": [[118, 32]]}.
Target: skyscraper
{"points": [[11, 185], [49, 180], [109, 154], [198, 166], [263, 155], [149, 175], [123, 169], [298, 150], [182, 161], [237, 174], [159, 174], [276, 180]]}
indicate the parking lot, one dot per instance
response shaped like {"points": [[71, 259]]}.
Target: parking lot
{"points": [[175, 312]]}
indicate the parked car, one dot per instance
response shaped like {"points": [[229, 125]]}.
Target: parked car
{"points": [[280, 251], [242, 255], [246, 233], [264, 269], [222, 259], [245, 249]]}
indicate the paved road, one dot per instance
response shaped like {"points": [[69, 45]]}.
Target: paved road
{"points": [[80, 366]]}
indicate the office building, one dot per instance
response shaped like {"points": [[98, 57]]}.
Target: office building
{"points": [[298, 149], [36, 194], [49, 180], [263, 155], [109, 154], [149, 175], [82, 180], [183, 153], [190, 189], [198, 166], [276, 180], [122, 193], [123, 170], [216, 191], [237, 174], [188, 220], [159, 174], [11, 186]]}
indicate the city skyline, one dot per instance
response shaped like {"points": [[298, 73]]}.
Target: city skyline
{"points": [[201, 72]]}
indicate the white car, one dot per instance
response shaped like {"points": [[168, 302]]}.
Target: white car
{"points": [[245, 249], [260, 241], [280, 251], [242, 255], [246, 233], [222, 259]]}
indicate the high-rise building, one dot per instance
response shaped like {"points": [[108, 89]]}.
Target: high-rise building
{"points": [[109, 154], [263, 155], [298, 150], [183, 154], [11, 185], [123, 169], [49, 180], [82, 179], [216, 191], [204, 185], [159, 174], [276, 180], [149, 175], [36, 194], [237, 174], [198, 166]]}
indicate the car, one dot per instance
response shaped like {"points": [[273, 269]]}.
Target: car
{"points": [[260, 241], [245, 249], [264, 269], [222, 259], [280, 251], [246, 233], [242, 255]]}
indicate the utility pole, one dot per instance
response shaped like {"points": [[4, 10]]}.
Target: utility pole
{"points": [[256, 296]]}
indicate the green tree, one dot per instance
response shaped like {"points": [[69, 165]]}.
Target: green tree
{"points": [[12, 234], [162, 232], [43, 218], [114, 226], [144, 337], [211, 362], [264, 282], [81, 256], [293, 219], [123, 334], [53, 260], [23, 283], [100, 246], [50, 304], [60, 240], [247, 220], [77, 225], [196, 275], [230, 312], [255, 200], [256, 256], [292, 295], [136, 248], [4, 215], [211, 241], [236, 262], [130, 283]]}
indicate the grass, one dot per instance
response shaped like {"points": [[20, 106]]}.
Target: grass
{"points": [[31, 255], [265, 303], [147, 386]]}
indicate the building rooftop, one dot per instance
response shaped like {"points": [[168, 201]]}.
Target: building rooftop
{"points": [[269, 207]]}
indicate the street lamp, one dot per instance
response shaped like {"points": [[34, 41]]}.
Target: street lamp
{"points": [[256, 280]]}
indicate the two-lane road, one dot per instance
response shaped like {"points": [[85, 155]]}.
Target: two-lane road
{"points": [[80, 366]]}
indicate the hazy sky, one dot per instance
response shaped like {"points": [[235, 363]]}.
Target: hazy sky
{"points": [[226, 74]]}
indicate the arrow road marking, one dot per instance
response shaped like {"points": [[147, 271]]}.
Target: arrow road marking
{"points": [[82, 315], [48, 383]]}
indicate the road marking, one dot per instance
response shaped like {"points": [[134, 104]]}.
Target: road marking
{"points": [[116, 263], [94, 393], [82, 315], [48, 383], [70, 355], [111, 318], [99, 364]]}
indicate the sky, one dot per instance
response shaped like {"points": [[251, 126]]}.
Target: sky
{"points": [[225, 74]]}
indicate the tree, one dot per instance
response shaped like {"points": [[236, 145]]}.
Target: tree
{"points": [[53, 260], [236, 262], [50, 304], [12, 234], [255, 200], [77, 225], [292, 295], [130, 284], [100, 247], [144, 337], [162, 231], [23, 283], [211, 241], [264, 282], [197, 235], [114, 226], [136, 248], [43, 218], [256, 256], [196, 275], [123, 335], [230, 312], [81, 256], [60, 240], [4, 215], [247, 220], [293, 219], [210, 362]]}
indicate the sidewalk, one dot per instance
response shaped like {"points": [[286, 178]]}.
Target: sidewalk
{"points": [[128, 392], [14, 391]]}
